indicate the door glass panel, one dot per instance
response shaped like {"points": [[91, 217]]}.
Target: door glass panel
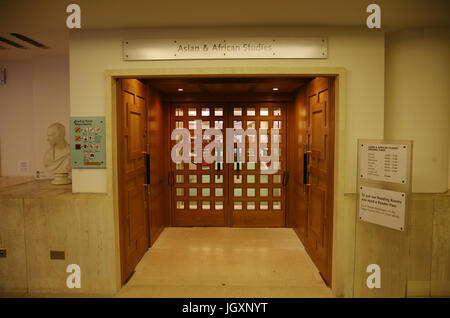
{"points": [[264, 124], [277, 192], [237, 178], [251, 205], [180, 205], [264, 205], [218, 179], [251, 124], [179, 112], [277, 111], [192, 124], [237, 111], [264, 111], [192, 205], [205, 111], [192, 112], [193, 192], [251, 112], [218, 111], [237, 205], [206, 192], [251, 192], [236, 165], [206, 178], [192, 166], [206, 205], [219, 205], [264, 138], [277, 178], [180, 192], [179, 178], [264, 178], [218, 192], [263, 192], [277, 124], [192, 178], [237, 124], [178, 124], [277, 205], [237, 192], [250, 178], [205, 125], [251, 165], [218, 124], [179, 166]]}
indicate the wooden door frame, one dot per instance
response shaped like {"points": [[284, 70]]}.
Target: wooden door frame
{"points": [[341, 252]]}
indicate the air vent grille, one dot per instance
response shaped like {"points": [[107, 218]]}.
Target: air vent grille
{"points": [[28, 40], [12, 43], [18, 44]]}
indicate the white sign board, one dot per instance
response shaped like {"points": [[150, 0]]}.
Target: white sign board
{"points": [[229, 48], [384, 162], [382, 207]]}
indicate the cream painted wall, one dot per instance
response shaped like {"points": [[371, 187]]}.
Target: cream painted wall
{"points": [[35, 96], [417, 102], [16, 118], [50, 100], [359, 51]]}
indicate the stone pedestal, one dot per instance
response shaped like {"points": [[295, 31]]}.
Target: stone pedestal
{"points": [[61, 178]]}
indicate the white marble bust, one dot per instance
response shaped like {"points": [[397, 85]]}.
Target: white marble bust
{"points": [[57, 157]]}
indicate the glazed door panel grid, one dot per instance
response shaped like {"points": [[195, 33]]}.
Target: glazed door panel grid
{"points": [[199, 190], [230, 194], [257, 199]]}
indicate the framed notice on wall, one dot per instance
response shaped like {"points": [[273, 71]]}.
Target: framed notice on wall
{"points": [[384, 182], [87, 143]]}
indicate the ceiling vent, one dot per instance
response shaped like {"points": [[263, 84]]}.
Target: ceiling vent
{"points": [[12, 43], [29, 41]]}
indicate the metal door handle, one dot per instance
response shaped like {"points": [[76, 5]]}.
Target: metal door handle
{"points": [[147, 164], [170, 178], [285, 178], [305, 167]]}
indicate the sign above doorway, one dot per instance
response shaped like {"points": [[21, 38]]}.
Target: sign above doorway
{"points": [[229, 48]]}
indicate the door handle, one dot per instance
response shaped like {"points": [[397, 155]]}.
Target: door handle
{"points": [[147, 165], [285, 178], [305, 167], [170, 178]]}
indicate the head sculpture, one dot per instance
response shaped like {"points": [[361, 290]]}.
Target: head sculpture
{"points": [[55, 134]]}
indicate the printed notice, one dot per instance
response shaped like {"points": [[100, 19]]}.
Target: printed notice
{"points": [[382, 207], [384, 162], [87, 142]]}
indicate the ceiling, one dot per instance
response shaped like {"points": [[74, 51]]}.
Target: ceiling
{"points": [[227, 86], [45, 20]]}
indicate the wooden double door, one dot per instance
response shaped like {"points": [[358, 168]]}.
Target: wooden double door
{"points": [[237, 189]]}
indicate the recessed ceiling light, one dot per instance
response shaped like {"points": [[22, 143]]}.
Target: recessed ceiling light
{"points": [[180, 89], [275, 88]]}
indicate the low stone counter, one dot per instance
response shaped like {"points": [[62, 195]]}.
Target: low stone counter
{"points": [[37, 217]]}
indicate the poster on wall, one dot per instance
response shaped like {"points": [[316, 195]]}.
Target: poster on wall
{"points": [[382, 207], [384, 182], [87, 135]]}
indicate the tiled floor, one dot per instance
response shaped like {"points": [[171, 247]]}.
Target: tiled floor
{"points": [[226, 262]]}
